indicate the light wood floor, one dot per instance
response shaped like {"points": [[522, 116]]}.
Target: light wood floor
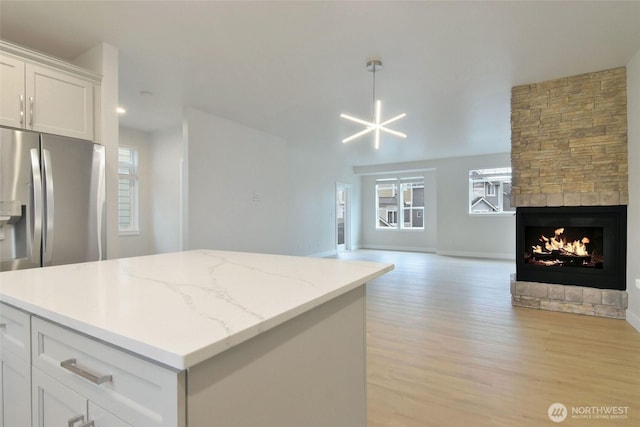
{"points": [[446, 348]]}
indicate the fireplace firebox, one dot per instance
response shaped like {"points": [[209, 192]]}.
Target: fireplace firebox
{"points": [[576, 245]]}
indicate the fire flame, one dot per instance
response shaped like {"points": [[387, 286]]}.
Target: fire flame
{"points": [[559, 243]]}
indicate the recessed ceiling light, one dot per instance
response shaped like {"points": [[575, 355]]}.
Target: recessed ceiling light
{"points": [[121, 110]]}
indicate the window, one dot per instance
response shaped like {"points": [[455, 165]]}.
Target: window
{"points": [[490, 191], [127, 190], [400, 203]]}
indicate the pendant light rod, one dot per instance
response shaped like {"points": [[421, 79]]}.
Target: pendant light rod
{"points": [[374, 65]]}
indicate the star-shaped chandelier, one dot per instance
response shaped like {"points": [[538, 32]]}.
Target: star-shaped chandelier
{"points": [[376, 125]]}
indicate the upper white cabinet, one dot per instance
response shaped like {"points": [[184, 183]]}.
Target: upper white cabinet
{"points": [[12, 102], [58, 103], [47, 95]]}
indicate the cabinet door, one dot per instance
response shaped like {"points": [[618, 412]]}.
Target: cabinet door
{"points": [[15, 391], [15, 332], [1, 395], [12, 96], [102, 418], [59, 103], [15, 369], [55, 405]]}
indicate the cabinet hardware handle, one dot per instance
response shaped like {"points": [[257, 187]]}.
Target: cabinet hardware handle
{"points": [[21, 97], [31, 111], [3, 325], [70, 365], [88, 424], [71, 421]]}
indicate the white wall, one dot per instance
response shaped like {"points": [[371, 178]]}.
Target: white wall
{"points": [[633, 213], [313, 171], [294, 212], [166, 200], [141, 243], [236, 180], [457, 232]]}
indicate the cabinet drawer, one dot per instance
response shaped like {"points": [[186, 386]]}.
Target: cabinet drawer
{"points": [[14, 331], [138, 391]]}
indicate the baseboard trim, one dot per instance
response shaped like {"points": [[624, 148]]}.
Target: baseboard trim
{"points": [[489, 255], [324, 254], [399, 248], [633, 319]]}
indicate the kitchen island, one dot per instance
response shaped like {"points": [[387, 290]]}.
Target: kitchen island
{"points": [[196, 338]]}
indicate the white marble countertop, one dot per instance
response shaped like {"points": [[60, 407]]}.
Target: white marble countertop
{"points": [[182, 308]]}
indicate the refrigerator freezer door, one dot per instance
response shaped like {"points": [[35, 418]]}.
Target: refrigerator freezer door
{"points": [[19, 170], [73, 172]]}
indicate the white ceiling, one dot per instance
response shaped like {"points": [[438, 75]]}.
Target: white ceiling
{"points": [[291, 68]]}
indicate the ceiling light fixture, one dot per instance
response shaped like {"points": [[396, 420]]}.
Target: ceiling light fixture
{"points": [[375, 125]]}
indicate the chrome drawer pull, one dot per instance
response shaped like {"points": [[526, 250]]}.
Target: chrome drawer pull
{"points": [[71, 421], [70, 365]]}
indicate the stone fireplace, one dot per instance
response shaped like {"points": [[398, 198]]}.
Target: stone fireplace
{"points": [[570, 187]]}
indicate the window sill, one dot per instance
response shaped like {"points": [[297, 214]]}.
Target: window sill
{"points": [[404, 230], [493, 214]]}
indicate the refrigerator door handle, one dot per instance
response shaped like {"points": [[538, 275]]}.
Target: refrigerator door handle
{"points": [[50, 205], [36, 228]]}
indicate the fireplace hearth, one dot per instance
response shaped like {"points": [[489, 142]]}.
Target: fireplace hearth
{"points": [[577, 245]]}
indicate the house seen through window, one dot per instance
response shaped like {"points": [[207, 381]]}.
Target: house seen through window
{"points": [[490, 191], [400, 203], [127, 190]]}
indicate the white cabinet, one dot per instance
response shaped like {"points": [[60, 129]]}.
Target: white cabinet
{"points": [[54, 404], [102, 418], [58, 103], [15, 391], [46, 95], [12, 101], [57, 405], [15, 370], [77, 376]]}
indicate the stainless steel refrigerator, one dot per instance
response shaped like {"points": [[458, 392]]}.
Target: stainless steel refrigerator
{"points": [[52, 200]]}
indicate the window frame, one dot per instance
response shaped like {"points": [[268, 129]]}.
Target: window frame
{"points": [[128, 174], [399, 208], [486, 178]]}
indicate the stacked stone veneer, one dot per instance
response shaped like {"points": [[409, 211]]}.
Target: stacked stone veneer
{"points": [[569, 141], [569, 148], [572, 299]]}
